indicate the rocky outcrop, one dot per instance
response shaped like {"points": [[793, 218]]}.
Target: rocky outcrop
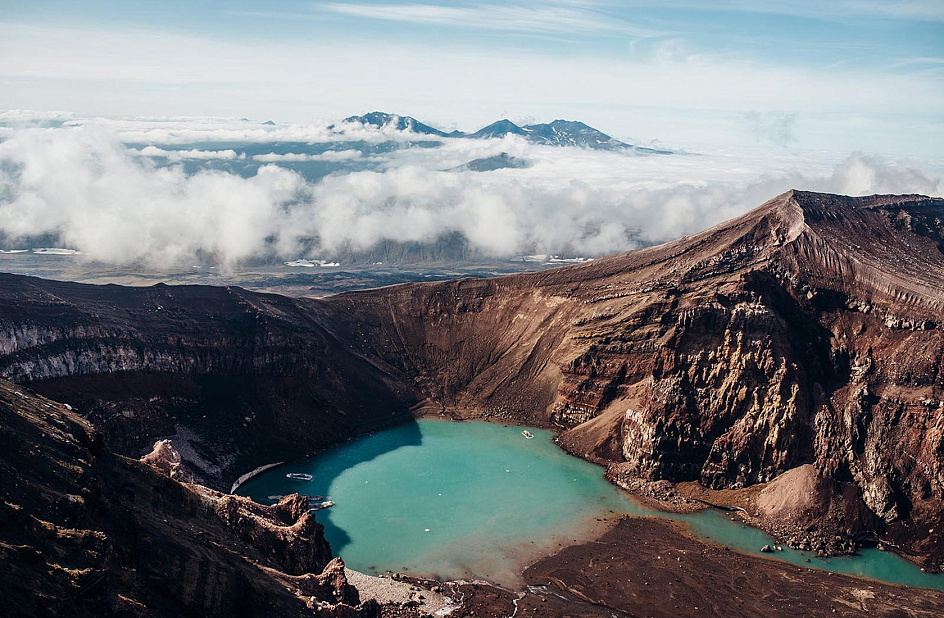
{"points": [[801, 495], [85, 532], [331, 584], [166, 460]]}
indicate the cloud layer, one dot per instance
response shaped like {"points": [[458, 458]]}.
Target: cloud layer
{"points": [[83, 185]]}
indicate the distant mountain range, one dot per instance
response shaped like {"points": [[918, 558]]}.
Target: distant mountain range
{"points": [[566, 133]]}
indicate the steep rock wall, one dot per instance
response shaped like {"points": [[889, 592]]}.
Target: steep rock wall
{"points": [[86, 532]]}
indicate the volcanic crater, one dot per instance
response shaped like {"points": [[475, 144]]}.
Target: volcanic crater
{"points": [[788, 364]]}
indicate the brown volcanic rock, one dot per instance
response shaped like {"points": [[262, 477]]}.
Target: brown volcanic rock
{"points": [[166, 460], [807, 331], [801, 495], [331, 584], [84, 532], [648, 567], [237, 380]]}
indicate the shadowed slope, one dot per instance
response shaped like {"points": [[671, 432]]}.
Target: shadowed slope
{"points": [[86, 532], [238, 379]]}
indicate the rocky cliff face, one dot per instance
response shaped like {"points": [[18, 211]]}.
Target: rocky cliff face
{"points": [[236, 379], [808, 331], [86, 532]]}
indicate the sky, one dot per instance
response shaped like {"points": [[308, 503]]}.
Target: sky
{"points": [[843, 76], [136, 133]]}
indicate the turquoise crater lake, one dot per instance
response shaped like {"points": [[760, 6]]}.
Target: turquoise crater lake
{"points": [[478, 499]]}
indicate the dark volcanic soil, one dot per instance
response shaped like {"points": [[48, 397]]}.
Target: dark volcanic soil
{"points": [[646, 567]]}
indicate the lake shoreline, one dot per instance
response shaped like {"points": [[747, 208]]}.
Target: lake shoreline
{"points": [[590, 531], [520, 507], [710, 572], [656, 567], [663, 496]]}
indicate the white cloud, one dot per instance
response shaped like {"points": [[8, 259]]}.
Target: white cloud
{"points": [[778, 127], [84, 185], [921, 10], [176, 131], [544, 17], [28, 118], [330, 155], [193, 153]]}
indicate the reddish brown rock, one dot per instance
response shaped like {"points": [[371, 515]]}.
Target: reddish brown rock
{"points": [[331, 584], [166, 460], [808, 331]]}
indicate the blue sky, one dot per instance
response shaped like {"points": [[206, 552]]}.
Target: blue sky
{"points": [[846, 75]]}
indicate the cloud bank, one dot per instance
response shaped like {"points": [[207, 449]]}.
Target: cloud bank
{"points": [[295, 157], [85, 186]]}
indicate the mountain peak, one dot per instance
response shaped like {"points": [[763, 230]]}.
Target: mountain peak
{"points": [[878, 249], [572, 133], [490, 164], [400, 123], [499, 128], [816, 202]]}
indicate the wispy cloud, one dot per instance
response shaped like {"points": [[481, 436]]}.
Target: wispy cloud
{"points": [[778, 127], [923, 10], [917, 10], [667, 90], [925, 62], [545, 18]]}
